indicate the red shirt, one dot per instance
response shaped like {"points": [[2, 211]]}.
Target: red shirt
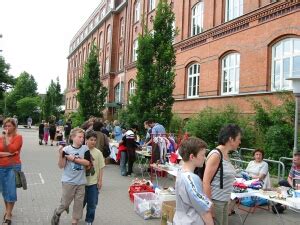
{"points": [[15, 145]]}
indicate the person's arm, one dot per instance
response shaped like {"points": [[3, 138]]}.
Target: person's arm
{"points": [[16, 145], [291, 176], [61, 160], [211, 166], [99, 184], [207, 218]]}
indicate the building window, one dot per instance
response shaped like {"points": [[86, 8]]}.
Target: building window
{"points": [[285, 63], [121, 61], [137, 11], [193, 81], [230, 74], [122, 27], [102, 14], [101, 40], [119, 90], [151, 5], [108, 34], [233, 9], [132, 87], [197, 19], [107, 65], [134, 50]]}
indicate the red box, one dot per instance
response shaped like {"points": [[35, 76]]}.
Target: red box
{"points": [[138, 189]]}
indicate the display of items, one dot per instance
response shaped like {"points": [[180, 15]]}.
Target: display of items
{"points": [[147, 205]]}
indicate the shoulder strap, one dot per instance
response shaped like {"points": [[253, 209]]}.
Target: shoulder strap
{"points": [[221, 168]]}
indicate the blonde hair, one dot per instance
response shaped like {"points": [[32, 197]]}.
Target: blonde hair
{"points": [[75, 131], [10, 120]]}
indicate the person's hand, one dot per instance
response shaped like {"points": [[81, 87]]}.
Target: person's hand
{"points": [[70, 157], [99, 184]]}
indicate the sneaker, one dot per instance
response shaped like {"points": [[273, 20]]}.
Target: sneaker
{"points": [[88, 223], [55, 218]]}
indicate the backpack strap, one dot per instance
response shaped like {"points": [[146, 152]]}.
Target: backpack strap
{"points": [[220, 167]]}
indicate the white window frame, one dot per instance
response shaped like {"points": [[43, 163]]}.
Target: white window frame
{"points": [[107, 69], [121, 61], [108, 34], [118, 92], [101, 40], [132, 87], [102, 14], [137, 11], [233, 9], [284, 51], [151, 5], [193, 81], [197, 18], [134, 50], [122, 27], [230, 69]]}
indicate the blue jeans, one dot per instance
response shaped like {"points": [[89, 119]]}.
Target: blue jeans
{"points": [[91, 202], [123, 162], [8, 182]]}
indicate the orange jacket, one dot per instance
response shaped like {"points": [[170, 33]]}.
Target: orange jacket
{"points": [[14, 146]]}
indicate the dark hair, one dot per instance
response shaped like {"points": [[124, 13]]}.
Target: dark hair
{"points": [[259, 150], [149, 121], [97, 126], [192, 145], [134, 126], [229, 131], [90, 134]]}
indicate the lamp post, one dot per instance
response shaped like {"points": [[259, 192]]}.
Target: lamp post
{"points": [[296, 90]]}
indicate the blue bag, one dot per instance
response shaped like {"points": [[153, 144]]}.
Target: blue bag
{"points": [[252, 201]]}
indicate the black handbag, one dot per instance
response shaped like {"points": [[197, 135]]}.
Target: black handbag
{"points": [[21, 181]]}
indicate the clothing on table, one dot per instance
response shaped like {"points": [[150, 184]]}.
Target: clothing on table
{"points": [[162, 143], [190, 200], [74, 173], [257, 168]]}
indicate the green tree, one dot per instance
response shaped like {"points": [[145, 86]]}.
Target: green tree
{"points": [[155, 71], [25, 86], [53, 100], [91, 95], [6, 80], [28, 106]]}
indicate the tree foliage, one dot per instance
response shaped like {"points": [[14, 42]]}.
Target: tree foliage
{"points": [[92, 93], [25, 86], [53, 100], [155, 71], [28, 106], [6, 80]]}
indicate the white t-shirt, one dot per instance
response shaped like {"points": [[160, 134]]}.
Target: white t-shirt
{"points": [[257, 168]]}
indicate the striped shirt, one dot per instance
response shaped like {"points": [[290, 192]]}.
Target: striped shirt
{"points": [[228, 179], [295, 172]]}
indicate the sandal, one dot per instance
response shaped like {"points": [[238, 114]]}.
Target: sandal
{"points": [[6, 222], [231, 213]]}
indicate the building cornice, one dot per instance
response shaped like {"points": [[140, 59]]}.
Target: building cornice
{"points": [[264, 14]]}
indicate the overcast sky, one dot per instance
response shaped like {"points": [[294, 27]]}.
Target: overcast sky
{"points": [[37, 34]]}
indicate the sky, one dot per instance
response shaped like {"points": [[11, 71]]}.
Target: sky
{"points": [[36, 35]]}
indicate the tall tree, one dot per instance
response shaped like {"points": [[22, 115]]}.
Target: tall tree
{"points": [[6, 80], [25, 86], [53, 100], [155, 71], [91, 95]]}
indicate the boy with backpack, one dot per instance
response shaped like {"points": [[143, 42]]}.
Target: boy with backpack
{"points": [[72, 159], [94, 178], [192, 206]]}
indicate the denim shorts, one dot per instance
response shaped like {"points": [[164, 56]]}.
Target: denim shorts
{"points": [[8, 182]]}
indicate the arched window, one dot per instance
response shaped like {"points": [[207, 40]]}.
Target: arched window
{"points": [[193, 81], [230, 74], [233, 9], [119, 90], [131, 87], [197, 19], [136, 11], [285, 62], [108, 34], [107, 67], [101, 40]]}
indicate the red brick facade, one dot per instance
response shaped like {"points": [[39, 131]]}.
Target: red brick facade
{"points": [[235, 59]]}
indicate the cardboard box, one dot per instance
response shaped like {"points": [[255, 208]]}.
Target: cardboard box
{"points": [[167, 212]]}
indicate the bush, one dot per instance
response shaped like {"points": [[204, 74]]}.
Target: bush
{"points": [[176, 125], [77, 119], [207, 124]]}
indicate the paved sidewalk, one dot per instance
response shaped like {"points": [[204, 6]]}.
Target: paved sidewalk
{"points": [[35, 206]]}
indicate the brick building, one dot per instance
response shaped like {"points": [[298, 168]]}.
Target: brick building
{"points": [[226, 50]]}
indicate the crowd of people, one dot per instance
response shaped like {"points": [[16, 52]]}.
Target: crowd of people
{"points": [[199, 199]]}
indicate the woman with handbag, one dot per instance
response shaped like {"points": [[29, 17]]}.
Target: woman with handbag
{"points": [[10, 147]]}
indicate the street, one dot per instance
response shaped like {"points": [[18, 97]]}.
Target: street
{"points": [[35, 205]]}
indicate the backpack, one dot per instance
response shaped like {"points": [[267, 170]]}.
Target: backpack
{"points": [[200, 170]]}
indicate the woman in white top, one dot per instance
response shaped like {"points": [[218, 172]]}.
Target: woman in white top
{"points": [[258, 169]]}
